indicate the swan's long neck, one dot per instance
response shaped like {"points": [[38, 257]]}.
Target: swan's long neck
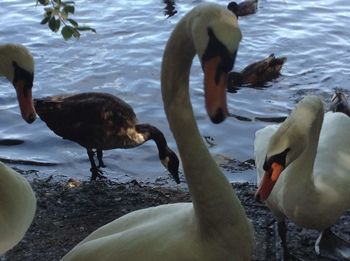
{"points": [[300, 179], [5, 68], [213, 197]]}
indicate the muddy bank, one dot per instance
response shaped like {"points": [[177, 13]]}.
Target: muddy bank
{"points": [[68, 211]]}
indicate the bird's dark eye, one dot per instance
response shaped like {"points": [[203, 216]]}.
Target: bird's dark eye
{"points": [[21, 74], [216, 48], [277, 158]]}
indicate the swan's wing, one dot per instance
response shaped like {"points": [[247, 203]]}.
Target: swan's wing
{"points": [[332, 162], [262, 139], [17, 207]]}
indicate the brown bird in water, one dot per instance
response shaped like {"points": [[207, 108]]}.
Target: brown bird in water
{"points": [[244, 8], [340, 103], [101, 121], [258, 73]]}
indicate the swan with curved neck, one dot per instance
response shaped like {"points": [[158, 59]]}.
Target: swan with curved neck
{"points": [[17, 207], [304, 165], [17, 65], [214, 226]]}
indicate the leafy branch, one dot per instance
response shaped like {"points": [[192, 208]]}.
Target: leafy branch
{"points": [[57, 14]]}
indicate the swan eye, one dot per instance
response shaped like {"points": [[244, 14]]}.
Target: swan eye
{"points": [[277, 158], [21, 74], [216, 48]]}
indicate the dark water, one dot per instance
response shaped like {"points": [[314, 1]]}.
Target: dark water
{"points": [[124, 58]]}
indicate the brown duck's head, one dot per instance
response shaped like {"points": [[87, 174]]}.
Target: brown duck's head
{"points": [[171, 163]]}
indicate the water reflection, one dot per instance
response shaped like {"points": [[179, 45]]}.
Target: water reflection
{"points": [[124, 59]]}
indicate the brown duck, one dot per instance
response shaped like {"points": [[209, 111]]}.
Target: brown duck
{"points": [[101, 121], [244, 8], [258, 73]]}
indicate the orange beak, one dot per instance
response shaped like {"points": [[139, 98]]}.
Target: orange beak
{"points": [[215, 90], [268, 181], [25, 101]]}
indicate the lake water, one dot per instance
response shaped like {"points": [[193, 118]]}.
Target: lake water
{"points": [[124, 57]]}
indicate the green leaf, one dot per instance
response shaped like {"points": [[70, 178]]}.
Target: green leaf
{"points": [[76, 34], [73, 22], [69, 9], [45, 20], [86, 28], [54, 24], [67, 32]]}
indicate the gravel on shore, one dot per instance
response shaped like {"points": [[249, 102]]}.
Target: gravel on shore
{"points": [[69, 210]]}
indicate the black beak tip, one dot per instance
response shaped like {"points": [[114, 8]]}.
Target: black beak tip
{"points": [[31, 118], [218, 117], [176, 177]]}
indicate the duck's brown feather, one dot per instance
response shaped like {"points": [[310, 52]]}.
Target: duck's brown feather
{"points": [[94, 120]]}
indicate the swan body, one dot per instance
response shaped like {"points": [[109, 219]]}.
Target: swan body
{"points": [[101, 121], [17, 207], [314, 149], [17, 65], [214, 226]]}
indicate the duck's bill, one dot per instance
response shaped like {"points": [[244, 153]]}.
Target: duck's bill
{"points": [[215, 83], [25, 101], [268, 181]]}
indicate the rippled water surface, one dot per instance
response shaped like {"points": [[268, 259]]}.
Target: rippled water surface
{"points": [[124, 58]]}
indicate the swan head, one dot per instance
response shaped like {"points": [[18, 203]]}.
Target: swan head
{"points": [[289, 142], [17, 65], [216, 37], [171, 163]]}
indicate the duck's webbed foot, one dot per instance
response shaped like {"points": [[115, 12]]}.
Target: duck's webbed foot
{"points": [[96, 173], [331, 246]]}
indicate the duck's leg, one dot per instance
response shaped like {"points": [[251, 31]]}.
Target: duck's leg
{"points": [[95, 172], [282, 232], [331, 246], [99, 158]]}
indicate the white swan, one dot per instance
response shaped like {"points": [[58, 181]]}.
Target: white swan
{"points": [[215, 226], [17, 207], [17, 65], [17, 199], [304, 168]]}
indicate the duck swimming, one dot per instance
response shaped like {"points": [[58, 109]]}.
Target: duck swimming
{"points": [[214, 226], [101, 121], [17, 65], [304, 172], [244, 8], [258, 73]]}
